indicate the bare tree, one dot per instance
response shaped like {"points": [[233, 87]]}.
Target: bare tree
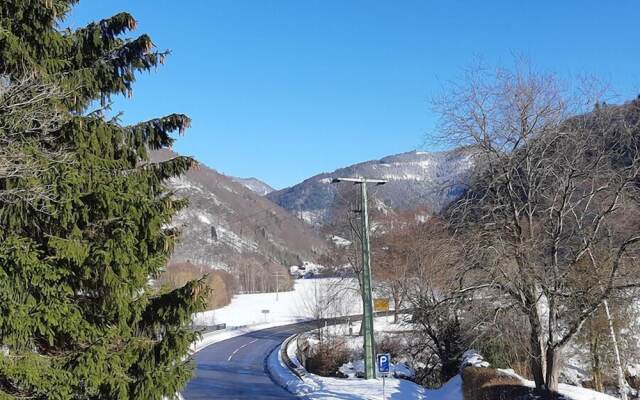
{"points": [[328, 298], [397, 252], [432, 291], [540, 218], [28, 116]]}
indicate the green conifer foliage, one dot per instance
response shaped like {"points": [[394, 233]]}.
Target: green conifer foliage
{"points": [[78, 316]]}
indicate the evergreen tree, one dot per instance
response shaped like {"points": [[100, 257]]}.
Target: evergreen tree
{"points": [[78, 316]]}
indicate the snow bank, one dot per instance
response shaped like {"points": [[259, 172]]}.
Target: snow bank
{"points": [[569, 391], [451, 390]]}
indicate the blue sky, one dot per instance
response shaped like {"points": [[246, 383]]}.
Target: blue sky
{"points": [[282, 90]]}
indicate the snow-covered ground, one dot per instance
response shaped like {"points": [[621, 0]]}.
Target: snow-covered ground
{"points": [[383, 328], [568, 391], [340, 241], [316, 387], [310, 299], [352, 388]]}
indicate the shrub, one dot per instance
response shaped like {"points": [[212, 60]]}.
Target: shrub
{"points": [[390, 344], [327, 356]]}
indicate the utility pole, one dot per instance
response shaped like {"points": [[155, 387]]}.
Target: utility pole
{"points": [[367, 296], [278, 275]]}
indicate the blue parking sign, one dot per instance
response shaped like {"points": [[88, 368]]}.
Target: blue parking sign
{"points": [[383, 361]]}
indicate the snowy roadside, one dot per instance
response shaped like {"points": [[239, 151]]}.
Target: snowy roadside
{"points": [[568, 391], [316, 387]]}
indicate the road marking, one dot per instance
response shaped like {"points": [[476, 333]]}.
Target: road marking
{"points": [[241, 347]]}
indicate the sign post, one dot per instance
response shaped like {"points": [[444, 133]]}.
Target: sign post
{"points": [[383, 361]]}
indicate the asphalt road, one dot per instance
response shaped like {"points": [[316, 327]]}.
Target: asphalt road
{"points": [[235, 368]]}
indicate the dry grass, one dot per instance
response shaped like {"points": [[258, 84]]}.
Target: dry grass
{"points": [[326, 357], [221, 283], [490, 384]]}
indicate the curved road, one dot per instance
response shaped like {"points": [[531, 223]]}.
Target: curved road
{"points": [[235, 368]]}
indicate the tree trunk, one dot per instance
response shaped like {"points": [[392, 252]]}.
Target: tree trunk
{"points": [[596, 364], [396, 307], [535, 342], [622, 384], [553, 371]]}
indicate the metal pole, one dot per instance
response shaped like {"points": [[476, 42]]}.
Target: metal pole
{"points": [[369, 346], [383, 394]]}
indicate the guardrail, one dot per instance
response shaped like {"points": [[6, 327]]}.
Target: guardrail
{"points": [[298, 370], [209, 328]]}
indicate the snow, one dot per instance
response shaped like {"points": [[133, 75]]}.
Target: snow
{"points": [[383, 326], [182, 183], [633, 369], [332, 296], [312, 386], [452, 390], [340, 241], [397, 370], [312, 217], [234, 241], [254, 184], [335, 388], [471, 358], [578, 393], [316, 387], [307, 269], [204, 219], [568, 391]]}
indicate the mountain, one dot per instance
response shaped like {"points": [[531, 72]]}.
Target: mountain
{"points": [[415, 179], [226, 224], [254, 184]]}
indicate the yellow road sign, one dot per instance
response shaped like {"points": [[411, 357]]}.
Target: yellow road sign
{"points": [[381, 304]]}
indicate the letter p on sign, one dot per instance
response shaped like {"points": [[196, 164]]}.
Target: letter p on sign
{"points": [[383, 361]]}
